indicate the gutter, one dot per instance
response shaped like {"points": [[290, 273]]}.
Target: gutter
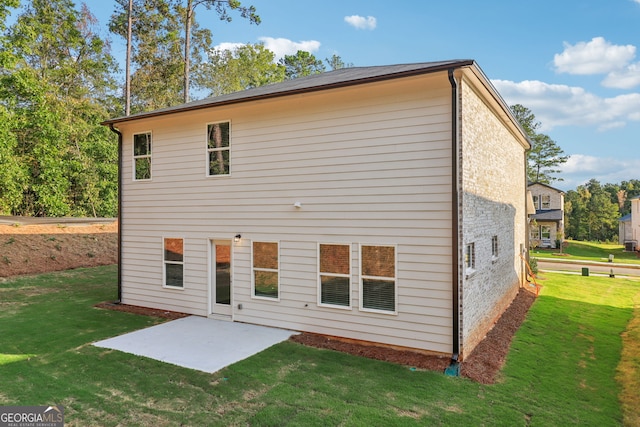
{"points": [[116, 131], [454, 368]]}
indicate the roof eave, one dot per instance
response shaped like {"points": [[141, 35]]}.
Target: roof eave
{"points": [[373, 79]]}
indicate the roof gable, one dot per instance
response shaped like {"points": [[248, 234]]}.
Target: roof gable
{"points": [[531, 184]]}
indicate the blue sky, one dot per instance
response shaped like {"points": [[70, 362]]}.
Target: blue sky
{"points": [[574, 63]]}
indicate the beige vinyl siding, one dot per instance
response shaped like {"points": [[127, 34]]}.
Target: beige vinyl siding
{"points": [[369, 164]]}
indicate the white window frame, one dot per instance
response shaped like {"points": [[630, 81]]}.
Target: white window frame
{"points": [[254, 269], [394, 279], [536, 202], [470, 258], [321, 273], [208, 150], [165, 262], [545, 227], [143, 156], [545, 201], [494, 248]]}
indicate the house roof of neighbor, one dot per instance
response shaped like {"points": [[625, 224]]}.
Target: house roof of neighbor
{"points": [[548, 215]]}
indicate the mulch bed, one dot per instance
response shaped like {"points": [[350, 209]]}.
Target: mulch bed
{"points": [[482, 365], [164, 314]]}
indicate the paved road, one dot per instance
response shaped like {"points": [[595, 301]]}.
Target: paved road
{"points": [[598, 268], [26, 220]]}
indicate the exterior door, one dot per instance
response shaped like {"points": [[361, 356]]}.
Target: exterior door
{"points": [[221, 278]]}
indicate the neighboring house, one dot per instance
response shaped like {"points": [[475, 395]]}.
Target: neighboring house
{"points": [[629, 227], [547, 225], [383, 204]]}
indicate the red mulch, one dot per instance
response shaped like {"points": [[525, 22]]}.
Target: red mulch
{"points": [[482, 365], [487, 359], [164, 314]]}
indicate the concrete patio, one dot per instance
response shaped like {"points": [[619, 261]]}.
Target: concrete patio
{"points": [[199, 343]]}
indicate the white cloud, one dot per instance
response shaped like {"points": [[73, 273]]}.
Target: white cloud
{"points": [[581, 168], [228, 46], [580, 163], [282, 46], [561, 105], [624, 79], [597, 56], [361, 23]]}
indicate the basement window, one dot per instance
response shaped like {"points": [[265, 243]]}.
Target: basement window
{"points": [[470, 257], [334, 275], [494, 248], [266, 267], [173, 263], [378, 278]]}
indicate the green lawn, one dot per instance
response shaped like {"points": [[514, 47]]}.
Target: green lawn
{"points": [[589, 251], [560, 371]]}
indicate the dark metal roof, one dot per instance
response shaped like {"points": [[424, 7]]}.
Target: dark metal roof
{"points": [[328, 80], [548, 215], [625, 218]]}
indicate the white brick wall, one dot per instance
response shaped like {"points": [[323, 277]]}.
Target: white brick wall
{"points": [[493, 196]]}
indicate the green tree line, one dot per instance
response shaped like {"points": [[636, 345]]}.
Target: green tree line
{"points": [[592, 210], [59, 81]]}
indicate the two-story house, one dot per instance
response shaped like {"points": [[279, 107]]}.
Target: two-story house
{"points": [[383, 204], [629, 227], [547, 224]]}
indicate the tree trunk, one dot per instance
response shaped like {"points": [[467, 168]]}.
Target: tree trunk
{"points": [[187, 48], [127, 87]]}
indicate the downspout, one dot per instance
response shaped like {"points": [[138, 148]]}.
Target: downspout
{"points": [[524, 252], [116, 131], [455, 220]]}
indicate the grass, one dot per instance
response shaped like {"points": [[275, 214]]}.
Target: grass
{"points": [[589, 251], [561, 369], [629, 369]]}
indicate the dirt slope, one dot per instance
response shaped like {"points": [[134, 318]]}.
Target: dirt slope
{"points": [[32, 249]]}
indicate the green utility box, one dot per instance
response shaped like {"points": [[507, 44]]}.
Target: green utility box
{"points": [[585, 271]]}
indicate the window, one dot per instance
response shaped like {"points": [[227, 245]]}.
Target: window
{"points": [[535, 233], [334, 275], [470, 257], [494, 247], [546, 202], [378, 278], [173, 263], [536, 202], [545, 232], [265, 269], [218, 149], [142, 156]]}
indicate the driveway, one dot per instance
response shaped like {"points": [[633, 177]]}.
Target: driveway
{"points": [[602, 268], [199, 343]]}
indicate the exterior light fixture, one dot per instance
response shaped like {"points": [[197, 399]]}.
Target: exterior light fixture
{"points": [[237, 238]]}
